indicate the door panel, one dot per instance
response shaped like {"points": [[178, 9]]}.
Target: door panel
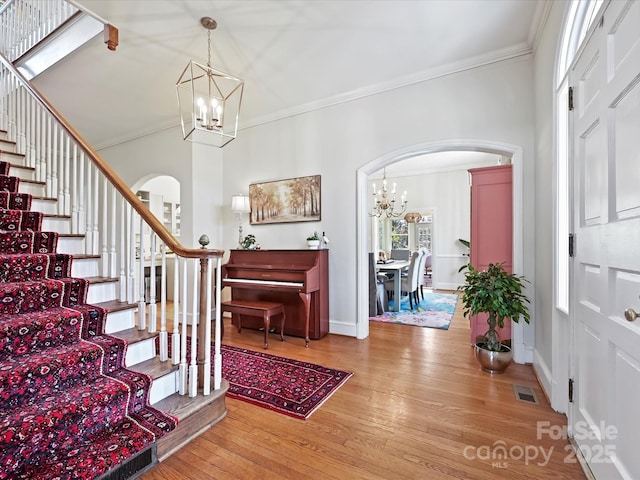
{"points": [[604, 416]]}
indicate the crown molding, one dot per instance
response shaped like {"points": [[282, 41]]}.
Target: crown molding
{"points": [[510, 53]]}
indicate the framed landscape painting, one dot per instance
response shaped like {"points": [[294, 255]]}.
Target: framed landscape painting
{"points": [[283, 201]]}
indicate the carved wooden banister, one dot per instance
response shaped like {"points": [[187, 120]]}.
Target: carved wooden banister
{"points": [[155, 224]]}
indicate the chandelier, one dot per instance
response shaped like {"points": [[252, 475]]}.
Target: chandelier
{"points": [[385, 204], [209, 100]]}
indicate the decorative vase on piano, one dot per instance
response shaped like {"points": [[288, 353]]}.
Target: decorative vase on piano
{"points": [[313, 241]]}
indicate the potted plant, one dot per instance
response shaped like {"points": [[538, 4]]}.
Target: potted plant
{"points": [[249, 242], [499, 295], [313, 241]]}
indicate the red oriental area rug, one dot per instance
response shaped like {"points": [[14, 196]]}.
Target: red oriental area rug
{"points": [[287, 386]]}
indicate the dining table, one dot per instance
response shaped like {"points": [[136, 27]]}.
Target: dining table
{"points": [[396, 267]]}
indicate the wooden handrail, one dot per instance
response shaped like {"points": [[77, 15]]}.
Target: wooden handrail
{"points": [[115, 180]]}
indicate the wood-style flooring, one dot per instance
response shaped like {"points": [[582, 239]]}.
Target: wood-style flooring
{"points": [[417, 407]]}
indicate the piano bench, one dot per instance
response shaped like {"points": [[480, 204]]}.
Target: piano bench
{"points": [[256, 308]]}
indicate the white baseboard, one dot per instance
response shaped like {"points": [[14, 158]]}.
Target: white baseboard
{"points": [[543, 374], [341, 328]]}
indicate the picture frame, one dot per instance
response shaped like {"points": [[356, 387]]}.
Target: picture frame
{"points": [[290, 200]]}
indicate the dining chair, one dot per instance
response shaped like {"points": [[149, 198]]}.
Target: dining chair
{"points": [[425, 270], [408, 283]]}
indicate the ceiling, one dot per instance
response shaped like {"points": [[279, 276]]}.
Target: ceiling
{"points": [[294, 56]]}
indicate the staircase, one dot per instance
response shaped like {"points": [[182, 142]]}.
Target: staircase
{"points": [[95, 392], [38, 455]]}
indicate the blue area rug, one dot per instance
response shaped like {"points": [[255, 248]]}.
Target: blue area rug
{"points": [[435, 311]]}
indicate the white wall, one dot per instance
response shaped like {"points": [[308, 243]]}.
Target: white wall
{"points": [[553, 375], [493, 103], [197, 168]]}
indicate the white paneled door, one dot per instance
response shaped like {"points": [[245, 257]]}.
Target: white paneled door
{"points": [[604, 418]]}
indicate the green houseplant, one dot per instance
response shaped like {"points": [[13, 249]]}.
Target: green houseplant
{"points": [[313, 241], [249, 242], [500, 295]]}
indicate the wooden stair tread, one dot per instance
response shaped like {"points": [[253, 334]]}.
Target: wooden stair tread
{"points": [[34, 182], [84, 256], [95, 280], [154, 367], [115, 305], [21, 167], [55, 215], [182, 406], [133, 335]]}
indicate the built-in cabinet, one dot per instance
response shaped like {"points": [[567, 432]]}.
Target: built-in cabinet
{"points": [[171, 217], [165, 211], [491, 229]]}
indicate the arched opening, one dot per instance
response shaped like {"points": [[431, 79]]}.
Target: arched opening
{"points": [[161, 193], [363, 224]]}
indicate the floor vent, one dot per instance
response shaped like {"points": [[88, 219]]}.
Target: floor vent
{"points": [[525, 394], [133, 467]]}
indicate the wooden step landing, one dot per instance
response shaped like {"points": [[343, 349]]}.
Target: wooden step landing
{"points": [[195, 416]]}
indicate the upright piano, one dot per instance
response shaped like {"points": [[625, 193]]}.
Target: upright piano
{"points": [[299, 279]]}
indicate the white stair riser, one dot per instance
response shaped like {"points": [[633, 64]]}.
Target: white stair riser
{"points": [[120, 320], [55, 224], [44, 206], [164, 386], [21, 173], [36, 189], [6, 146], [85, 267], [11, 157], [71, 245], [140, 351], [102, 292]]}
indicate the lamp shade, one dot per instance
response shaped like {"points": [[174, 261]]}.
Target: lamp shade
{"points": [[240, 204]]}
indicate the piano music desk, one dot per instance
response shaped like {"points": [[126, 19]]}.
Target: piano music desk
{"points": [[256, 308]]}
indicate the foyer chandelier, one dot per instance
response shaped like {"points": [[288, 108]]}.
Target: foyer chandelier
{"points": [[209, 100], [385, 202]]}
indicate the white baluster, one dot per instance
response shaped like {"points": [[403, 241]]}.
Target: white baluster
{"points": [[66, 176], [142, 314], [152, 284], [193, 366], [95, 203], [206, 341], [217, 354], [122, 278], [90, 199], [74, 190], [183, 339], [163, 337], [82, 220], [131, 285], [104, 226], [175, 336], [113, 260]]}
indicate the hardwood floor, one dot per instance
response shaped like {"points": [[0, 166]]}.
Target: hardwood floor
{"points": [[417, 407]]}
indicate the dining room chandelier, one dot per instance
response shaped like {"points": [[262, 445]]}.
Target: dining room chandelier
{"points": [[208, 99], [385, 201]]}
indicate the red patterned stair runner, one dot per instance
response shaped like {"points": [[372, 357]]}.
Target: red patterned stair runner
{"points": [[68, 407]]}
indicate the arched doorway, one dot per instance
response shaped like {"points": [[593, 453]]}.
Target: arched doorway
{"points": [[521, 353]]}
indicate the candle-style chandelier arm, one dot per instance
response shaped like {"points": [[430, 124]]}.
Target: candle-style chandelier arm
{"points": [[384, 205]]}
